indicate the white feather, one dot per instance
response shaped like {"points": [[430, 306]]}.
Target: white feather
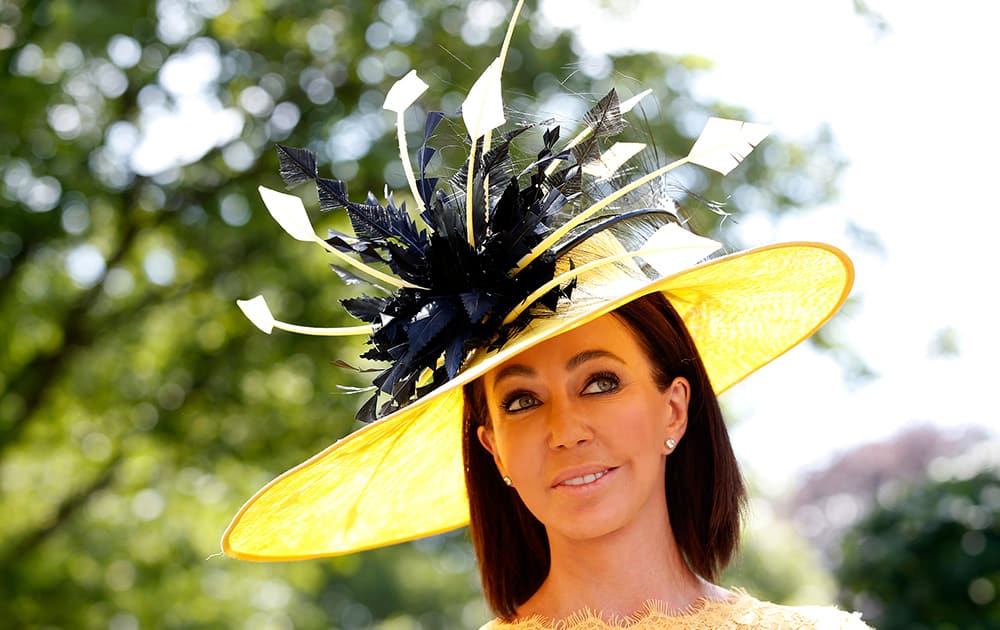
{"points": [[289, 212], [258, 313], [613, 158], [626, 106], [404, 92], [724, 143], [482, 110], [721, 147], [677, 249], [401, 95]]}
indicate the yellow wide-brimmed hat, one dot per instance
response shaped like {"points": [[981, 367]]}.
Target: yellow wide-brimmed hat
{"points": [[508, 259], [402, 477]]}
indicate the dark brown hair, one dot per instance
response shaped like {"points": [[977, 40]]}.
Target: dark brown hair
{"points": [[704, 487]]}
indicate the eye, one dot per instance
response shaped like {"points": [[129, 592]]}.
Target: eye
{"points": [[602, 383], [519, 401]]}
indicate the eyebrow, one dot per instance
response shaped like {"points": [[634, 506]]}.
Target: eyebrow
{"points": [[575, 361]]}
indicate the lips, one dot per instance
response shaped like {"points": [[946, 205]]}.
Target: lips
{"points": [[581, 476], [579, 481]]}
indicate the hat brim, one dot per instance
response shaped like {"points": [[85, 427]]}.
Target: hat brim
{"points": [[402, 477]]}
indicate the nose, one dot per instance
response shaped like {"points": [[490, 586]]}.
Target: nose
{"points": [[568, 426]]}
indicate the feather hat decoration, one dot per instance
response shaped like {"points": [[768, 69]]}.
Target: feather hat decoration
{"points": [[487, 244], [460, 280], [496, 258]]}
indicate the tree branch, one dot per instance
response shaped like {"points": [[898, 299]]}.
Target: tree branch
{"points": [[69, 506], [37, 375]]}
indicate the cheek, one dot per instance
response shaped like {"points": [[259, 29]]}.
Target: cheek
{"points": [[643, 424], [520, 447], [509, 441], [641, 411]]}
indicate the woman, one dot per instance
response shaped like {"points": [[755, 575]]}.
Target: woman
{"points": [[580, 428], [557, 324], [594, 434]]}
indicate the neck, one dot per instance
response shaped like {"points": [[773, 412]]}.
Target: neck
{"points": [[617, 573]]}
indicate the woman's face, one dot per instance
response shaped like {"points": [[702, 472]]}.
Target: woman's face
{"points": [[578, 424]]}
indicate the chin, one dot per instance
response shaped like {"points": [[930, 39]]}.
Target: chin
{"points": [[583, 525]]}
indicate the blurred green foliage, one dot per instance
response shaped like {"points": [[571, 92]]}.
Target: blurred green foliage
{"points": [[138, 408], [777, 563], [930, 558]]}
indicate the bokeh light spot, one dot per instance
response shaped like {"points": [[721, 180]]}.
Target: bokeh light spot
{"points": [[75, 218], [144, 416], [256, 101], [85, 265], [159, 266], [148, 504], [982, 591], [238, 156], [124, 51], [234, 209], [96, 447], [272, 595], [119, 282], [120, 575], [65, 121]]}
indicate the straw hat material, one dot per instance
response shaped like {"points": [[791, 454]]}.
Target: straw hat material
{"points": [[401, 477]]}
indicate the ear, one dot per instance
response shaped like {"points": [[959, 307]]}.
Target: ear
{"points": [[677, 395], [488, 441]]}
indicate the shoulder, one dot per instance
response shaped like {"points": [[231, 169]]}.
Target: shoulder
{"points": [[767, 615], [739, 611]]}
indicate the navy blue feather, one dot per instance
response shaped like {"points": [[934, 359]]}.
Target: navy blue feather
{"points": [[469, 290], [296, 166], [606, 223], [605, 120]]}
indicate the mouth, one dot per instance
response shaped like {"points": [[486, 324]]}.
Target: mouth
{"points": [[584, 479]]}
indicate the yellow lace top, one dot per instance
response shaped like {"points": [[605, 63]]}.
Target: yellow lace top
{"points": [[741, 612]]}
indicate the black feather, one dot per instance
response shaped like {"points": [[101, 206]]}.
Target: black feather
{"points": [[605, 223], [470, 288], [477, 304], [454, 354], [367, 413], [344, 365], [296, 165], [366, 308], [367, 250], [605, 118], [433, 120], [424, 155], [425, 185], [371, 221], [349, 277], [332, 194]]}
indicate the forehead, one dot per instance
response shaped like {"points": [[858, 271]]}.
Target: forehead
{"points": [[604, 333]]}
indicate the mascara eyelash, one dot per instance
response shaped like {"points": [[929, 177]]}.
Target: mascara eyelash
{"points": [[611, 376], [509, 400]]}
